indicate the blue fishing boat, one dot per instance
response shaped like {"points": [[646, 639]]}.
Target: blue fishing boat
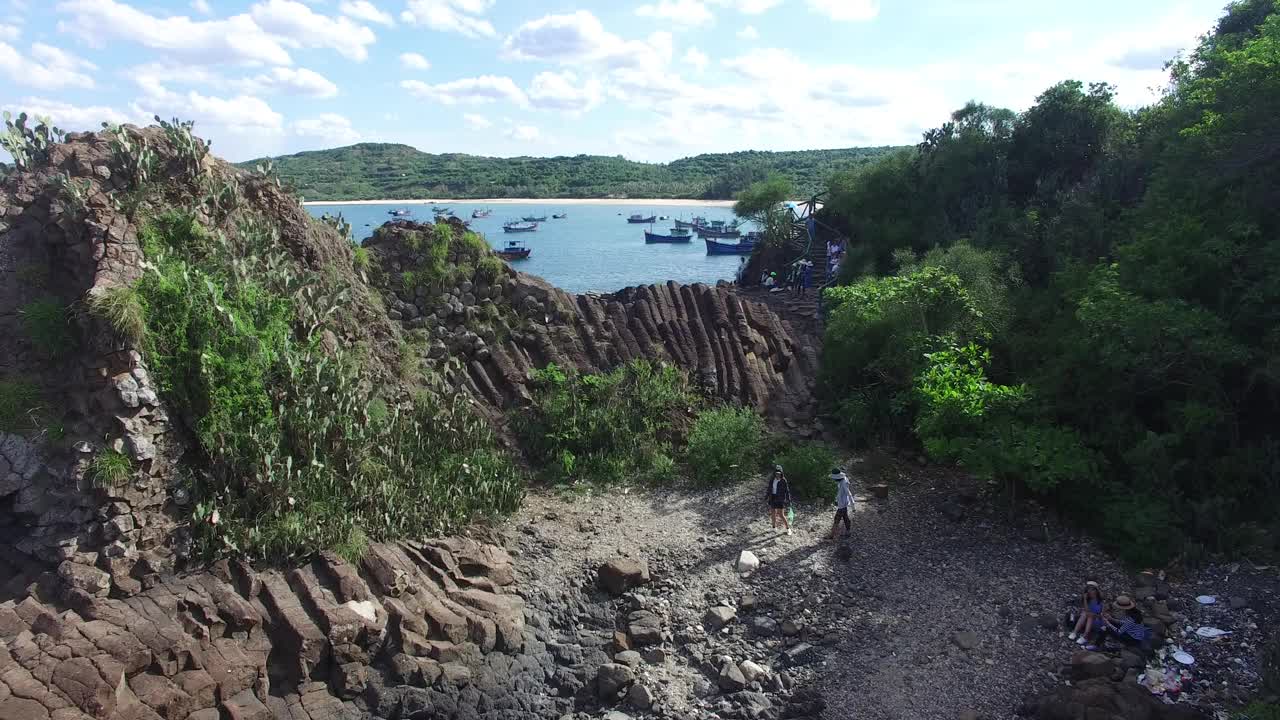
{"points": [[534, 218], [742, 247], [642, 219], [675, 235], [515, 250], [559, 216], [520, 227]]}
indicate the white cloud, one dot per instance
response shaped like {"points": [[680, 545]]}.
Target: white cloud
{"points": [[561, 91], [329, 127], [483, 89], [749, 33], [73, 117], [750, 7], [846, 10], [696, 59], [580, 37], [299, 26], [681, 12], [9, 32], [237, 39], [523, 133], [365, 10], [45, 67], [1042, 40], [288, 80], [202, 7], [477, 122], [460, 16], [414, 61], [240, 113]]}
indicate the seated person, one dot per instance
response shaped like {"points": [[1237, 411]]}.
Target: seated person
{"points": [[1090, 614], [1124, 622]]}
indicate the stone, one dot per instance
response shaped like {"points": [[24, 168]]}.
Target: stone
{"points": [[719, 616], [456, 674], [800, 654], [730, 678], [1086, 665], [791, 627], [89, 580], [639, 697], [1048, 621], [349, 680], [622, 574], [763, 625], [245, 706], [753, 672], [630, 658], [612, 678], [748, 602], [965, 640], [644, 628], [747, 563], [616, 715], [654, 656], [880, 492]]}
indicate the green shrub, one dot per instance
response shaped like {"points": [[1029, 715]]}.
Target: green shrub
{"points": [[605, 428], [110, 468], [808, 468], [18, 400], [1259, 711], [48, 327], [360, 258], [302, 455], [121, 308], [489, 268], [724, 444]]}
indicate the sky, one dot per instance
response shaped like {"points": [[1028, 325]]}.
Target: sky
{"points": [[650, 80]]}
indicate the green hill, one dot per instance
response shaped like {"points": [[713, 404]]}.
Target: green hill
{"points": [[388, 171]]}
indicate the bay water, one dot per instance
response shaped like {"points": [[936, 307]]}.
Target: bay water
{"points": [[594, 249]]}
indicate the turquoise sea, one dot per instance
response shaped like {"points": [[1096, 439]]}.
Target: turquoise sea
{"points": [[594, 249]]}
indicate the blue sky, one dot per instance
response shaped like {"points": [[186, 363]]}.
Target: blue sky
{"points": [[648, 79]]}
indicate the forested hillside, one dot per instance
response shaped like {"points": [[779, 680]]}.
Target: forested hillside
{"points": [[1083, 302], [387, 171]]}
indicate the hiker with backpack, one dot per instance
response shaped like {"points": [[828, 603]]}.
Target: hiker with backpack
{"points": [[778, 497]]}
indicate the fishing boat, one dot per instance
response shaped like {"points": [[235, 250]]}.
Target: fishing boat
{"points": [[716, 247], [718, 229], [559, 216], [478, 214], [642, 219], [399, 213], [697, 221], [675, 235], [520, 227], [515, 250], [533, 218], [437, 209]]}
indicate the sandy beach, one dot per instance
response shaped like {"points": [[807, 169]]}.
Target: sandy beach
{"points": [[535, 201]]}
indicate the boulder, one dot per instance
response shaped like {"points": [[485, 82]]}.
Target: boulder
{"points": [[719, 616], [1086, 665], [622, 574], [791, 627], [630, 658], [763, 625], [752, 671], [644, 628], [612, 678], [747, 562], [89, 580], [1102, 698], [730, 679], [639, 697]]}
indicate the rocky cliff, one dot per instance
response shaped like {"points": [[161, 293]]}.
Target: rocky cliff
{"points": [[104, 610]]}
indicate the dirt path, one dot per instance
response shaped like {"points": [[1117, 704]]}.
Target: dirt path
{"points": [[935, 614]]}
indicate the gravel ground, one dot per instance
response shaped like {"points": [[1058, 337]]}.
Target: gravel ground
{"points": [[944, 608]]}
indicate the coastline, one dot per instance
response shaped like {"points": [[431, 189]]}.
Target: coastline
{"points": [[535, 201]]}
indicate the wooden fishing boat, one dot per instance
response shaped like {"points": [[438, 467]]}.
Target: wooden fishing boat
{"points": [[514, 250], [478, 214], [718, 229], [675, 235], [520, 227], [716, 247], [533, 218], [697, 221], [642, 219]]}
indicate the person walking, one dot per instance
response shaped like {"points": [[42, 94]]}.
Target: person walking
{"points": [[778, 496], [806, 275], [844, 503]]}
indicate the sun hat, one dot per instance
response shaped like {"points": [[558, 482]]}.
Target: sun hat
{"points": [[777, 468], [1091, 584], [1122, 602], [837, 474]]}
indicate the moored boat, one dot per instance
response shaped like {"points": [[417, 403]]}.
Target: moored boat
{"points": [[742, 247], [478, 214], [514, 250], [520, 227], [437, 209], [534, 218], [399, 213], [674, 235], [643, 219], [718, 229], [559, 216], [697, 221]]}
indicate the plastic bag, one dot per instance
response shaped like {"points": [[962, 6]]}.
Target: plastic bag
{"points": [[791, 516]]}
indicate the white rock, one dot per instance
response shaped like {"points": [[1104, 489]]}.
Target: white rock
{"points": [[747, 562], [752, 671], [364, 608]]}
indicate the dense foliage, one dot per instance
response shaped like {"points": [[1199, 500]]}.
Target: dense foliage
{"points": [[808, 469], [724, 444], [386, 171], [1082, 301], [301, 453]]}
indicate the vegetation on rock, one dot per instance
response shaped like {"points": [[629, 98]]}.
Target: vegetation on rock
{"points": [[1082, 301], [385, 171], [724, 444]]}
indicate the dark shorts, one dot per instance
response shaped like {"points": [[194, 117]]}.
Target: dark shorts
{"points": [[776, 504], [842, 515]]}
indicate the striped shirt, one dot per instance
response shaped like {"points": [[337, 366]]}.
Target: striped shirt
{"points": [[1137, 631]]}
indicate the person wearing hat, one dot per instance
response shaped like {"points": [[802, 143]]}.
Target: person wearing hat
{"points": [[844, 503], [1090, 614], [778, 496], [1125, 622]]}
